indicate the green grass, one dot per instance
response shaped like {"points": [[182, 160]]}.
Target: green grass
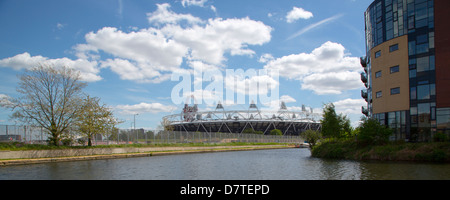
{"points": [[393, 151], [16, 146]]}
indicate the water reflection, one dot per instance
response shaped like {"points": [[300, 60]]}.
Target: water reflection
{"points": [[282, 164]]}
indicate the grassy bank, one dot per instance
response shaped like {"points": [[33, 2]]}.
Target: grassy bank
{"points": [[16, 146], [393, 151]]}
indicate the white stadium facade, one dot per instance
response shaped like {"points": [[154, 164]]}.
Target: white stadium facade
{"points": [[238, 121]]}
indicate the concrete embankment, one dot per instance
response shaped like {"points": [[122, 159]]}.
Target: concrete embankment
{"points": [[45, 156]]}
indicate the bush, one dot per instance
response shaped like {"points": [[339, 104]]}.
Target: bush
{"points": [[371, 132], [276, 132], [440, 137], [312, 137]]}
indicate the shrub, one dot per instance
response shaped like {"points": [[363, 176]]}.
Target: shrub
{"points": [[440, 137], [276, 132], [312, 137], [371, 132]]}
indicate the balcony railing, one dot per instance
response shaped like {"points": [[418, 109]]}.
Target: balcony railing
{"points": [[363, 77]]}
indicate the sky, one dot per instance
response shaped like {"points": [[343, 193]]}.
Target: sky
{"points": [[134, 53]]}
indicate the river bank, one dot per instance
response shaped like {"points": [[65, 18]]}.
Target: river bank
{"points": [[420, 152], [64, 155]]}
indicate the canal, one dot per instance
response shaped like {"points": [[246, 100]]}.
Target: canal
{"points": [[279, 164]]}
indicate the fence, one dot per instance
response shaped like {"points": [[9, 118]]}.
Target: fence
{"points": [[38, 135]]}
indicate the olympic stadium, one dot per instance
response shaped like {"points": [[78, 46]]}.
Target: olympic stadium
{"points": [[238, 121]]}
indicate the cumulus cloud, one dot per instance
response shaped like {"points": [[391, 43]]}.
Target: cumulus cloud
{"points": [[145, 108], [297, 13], [209, 43], [152, 54], [163, 15], [349, 106], [200, 3], [326, 70], [88, 69], [253, 85], [265, 58]]}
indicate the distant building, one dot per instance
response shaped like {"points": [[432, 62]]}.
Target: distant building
{"points": [[407, 67]]}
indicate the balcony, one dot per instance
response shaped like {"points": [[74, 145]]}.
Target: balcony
{"points": [[363, 61], [363, 77], [365, 111], [364, 94]]}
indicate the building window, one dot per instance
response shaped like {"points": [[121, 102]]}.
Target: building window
{"points": [[393, 48], [377, 54], [395, 69], [378, 94], [378, 74], [423, 64], [395, 90], [413, 93]]}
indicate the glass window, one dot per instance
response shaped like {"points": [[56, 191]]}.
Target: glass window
{"points": [[420, 39], [421, 23], [411, 23], [412, 73], [413, 93], [431, 40], [411, 9], [395, 69], [393, 48], [422, 48], [423, 92], [377, 74], [379, 94], [377, 54], [412, 47], [395, 91], [443, 118], [423, 110], [413, 113], [432, 89], [421, 11], [423, 64], [413, 110], [432, 62]]}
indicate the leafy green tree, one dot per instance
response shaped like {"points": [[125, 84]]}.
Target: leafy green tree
{"points": [[276, 132], [371, 132], [94, 118], [312, 137], [334, 125]]}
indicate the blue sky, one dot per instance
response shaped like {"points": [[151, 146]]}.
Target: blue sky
{"points": [[127, 50]]}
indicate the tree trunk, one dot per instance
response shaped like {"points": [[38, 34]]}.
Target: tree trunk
{"points": [[90, 140]]}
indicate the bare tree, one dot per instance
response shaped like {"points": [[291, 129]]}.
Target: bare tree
{"points": [[50, 97]]}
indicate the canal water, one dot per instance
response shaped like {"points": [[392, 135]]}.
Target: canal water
{"points": [[279, 164]]}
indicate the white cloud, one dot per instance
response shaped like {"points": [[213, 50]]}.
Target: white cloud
{"points": [[349, 106], [200, 3], [266, 58], [163, 16], [148, 46], [254, 85], [209, 43], [332, 83], [60, 26], [145, 108], [276, 104], [297, 13], [151, 54], [326, 70], [88, 69]]}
